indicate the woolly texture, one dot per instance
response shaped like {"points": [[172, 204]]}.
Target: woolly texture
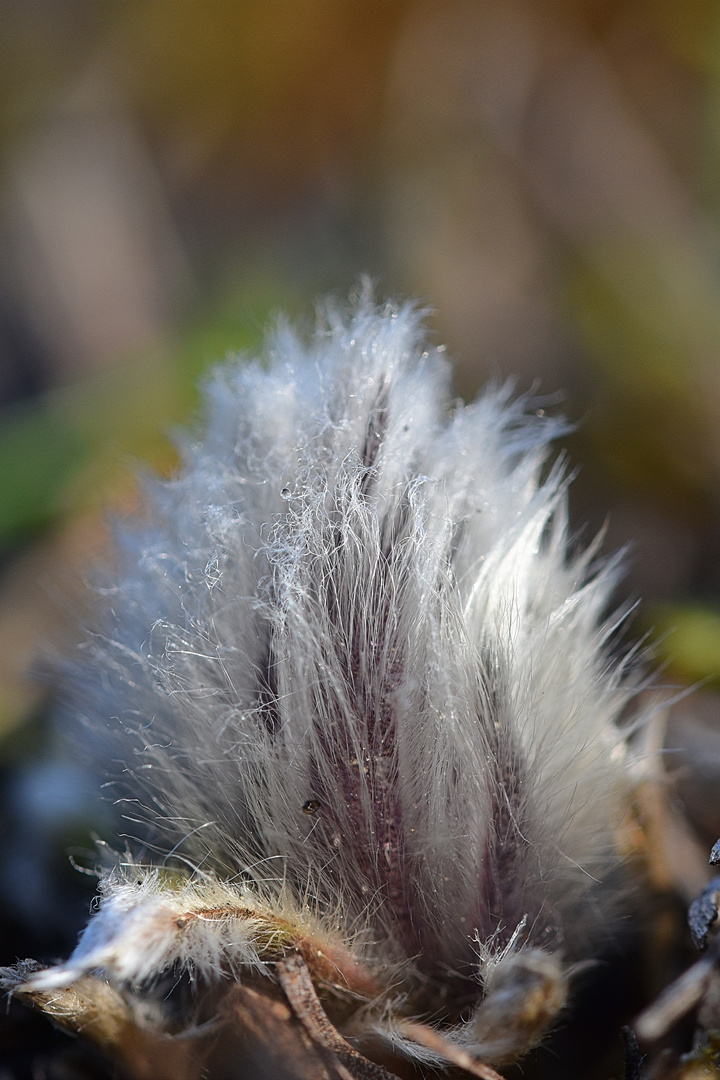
{"points": [[349, 661], [151, 923]]}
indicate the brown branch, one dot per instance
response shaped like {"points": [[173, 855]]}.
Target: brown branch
{"points": [[295, 980]]}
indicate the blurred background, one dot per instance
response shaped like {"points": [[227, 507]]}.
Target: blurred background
{"points": [[545, 174]]}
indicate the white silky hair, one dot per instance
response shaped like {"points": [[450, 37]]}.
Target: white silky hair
{"points": [[350, 663], [146, 927]]}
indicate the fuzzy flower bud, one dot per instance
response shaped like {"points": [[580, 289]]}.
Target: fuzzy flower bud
{"points": [[350, 677]]}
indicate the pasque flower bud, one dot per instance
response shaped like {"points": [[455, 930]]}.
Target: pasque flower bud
{"points": [[354, 695]]}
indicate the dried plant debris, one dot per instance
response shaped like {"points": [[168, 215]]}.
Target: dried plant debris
{"points": [[696, 992], [366, 729]]}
